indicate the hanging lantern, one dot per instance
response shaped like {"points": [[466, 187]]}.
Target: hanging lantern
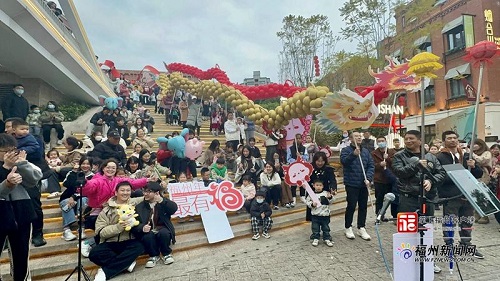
{"points": [[483, 51]]}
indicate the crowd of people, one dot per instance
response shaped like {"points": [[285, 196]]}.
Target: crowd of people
{"points": [[99, 176]]}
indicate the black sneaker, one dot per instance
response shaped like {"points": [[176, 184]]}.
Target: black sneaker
{"points": [[38, 241], [478, 255]]}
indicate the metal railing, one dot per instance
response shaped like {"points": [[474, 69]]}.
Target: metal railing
{"points": [[64, 28]]}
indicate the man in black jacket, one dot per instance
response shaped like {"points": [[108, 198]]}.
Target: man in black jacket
{"points": [[155, 228], [458, 207], [15, 105], [408, 166], [110, 148], [122, 129], [99, 119]]}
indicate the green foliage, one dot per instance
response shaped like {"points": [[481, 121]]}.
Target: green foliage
{"points": [[348, 70], [323, 139], [368, 22], [73, 110], [269, 103]]}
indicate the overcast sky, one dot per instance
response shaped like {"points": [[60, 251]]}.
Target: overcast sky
{"points": [[238, 35]]}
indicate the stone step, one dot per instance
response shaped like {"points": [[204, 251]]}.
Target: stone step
{"points": [[53, 225], [64, 258]]}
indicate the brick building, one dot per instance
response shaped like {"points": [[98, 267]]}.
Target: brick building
{"points": [[457, 24]]}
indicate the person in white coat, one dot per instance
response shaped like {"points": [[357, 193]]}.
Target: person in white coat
{"points": [[232, 131]]}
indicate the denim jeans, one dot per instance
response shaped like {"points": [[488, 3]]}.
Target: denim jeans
{"points": [[69, 217], [318, 224]]}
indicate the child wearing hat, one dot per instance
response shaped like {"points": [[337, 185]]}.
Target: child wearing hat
{"points": [[260, 213]]}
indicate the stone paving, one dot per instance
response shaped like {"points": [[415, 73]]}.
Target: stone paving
{"points": [[288, 255]]}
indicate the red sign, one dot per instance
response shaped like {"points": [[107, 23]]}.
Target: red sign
{"points": [[407, 222]]}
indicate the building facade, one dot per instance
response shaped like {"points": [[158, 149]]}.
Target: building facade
{"points": [[456, 25], [256, 80]]}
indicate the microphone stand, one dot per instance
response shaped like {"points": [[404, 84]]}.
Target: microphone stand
{"points": [[79, 266], [421, 213]]}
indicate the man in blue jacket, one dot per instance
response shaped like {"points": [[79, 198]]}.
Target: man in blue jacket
{"points": [[356, 186]]}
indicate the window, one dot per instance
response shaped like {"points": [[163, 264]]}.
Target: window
{"points": [[426, 47], [456, 39], [429, 95], [430, 132], [457, 88]]}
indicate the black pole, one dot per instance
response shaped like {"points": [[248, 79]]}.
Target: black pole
{"points": [[421, 213], [79, 266]]}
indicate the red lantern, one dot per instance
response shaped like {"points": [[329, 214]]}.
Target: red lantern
{"points": [[482, 52], [316, 66]]}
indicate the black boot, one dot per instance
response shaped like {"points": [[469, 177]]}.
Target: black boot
{"points": [[38, 240]]}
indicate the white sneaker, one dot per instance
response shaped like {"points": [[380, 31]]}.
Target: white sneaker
{"points": [[329, 243], [131, 267], [59, 142], [437, 269], [68, 235], [54, 195], [315, 242], [152, 262], [256, 236], [349, 234], [168, 259], [303, 199], [100, 276], [364, 235], [85, 250]]}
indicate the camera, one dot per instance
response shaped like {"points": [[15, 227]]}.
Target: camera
{"points": [[80, 178]]}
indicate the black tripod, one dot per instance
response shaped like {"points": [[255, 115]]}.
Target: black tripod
{"points": [[79, 267]]}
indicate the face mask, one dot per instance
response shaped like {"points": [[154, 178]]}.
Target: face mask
{"points": [[51, 106], [98, 138], [36, 111], [382, 145], [19, 91], [345, 135], [147, 114], [260, 201]]}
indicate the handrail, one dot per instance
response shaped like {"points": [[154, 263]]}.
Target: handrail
{"points": [[62, 26]]}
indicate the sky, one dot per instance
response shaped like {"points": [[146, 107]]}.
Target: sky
{"points": [[239, 35]]}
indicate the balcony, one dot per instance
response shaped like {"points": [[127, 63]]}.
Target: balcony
{"points": [[36, 44]]}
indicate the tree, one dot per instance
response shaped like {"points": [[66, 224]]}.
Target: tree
{"points": [[368, 22], [348, 70], [302, 39]]}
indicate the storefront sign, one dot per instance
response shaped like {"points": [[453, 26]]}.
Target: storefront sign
{"points": [[490, 35]]}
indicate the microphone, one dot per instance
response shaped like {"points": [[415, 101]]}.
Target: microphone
{"points": [[423, 169], [388, 198]]}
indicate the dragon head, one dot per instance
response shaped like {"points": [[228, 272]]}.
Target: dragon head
{"points": [[395, 77]]}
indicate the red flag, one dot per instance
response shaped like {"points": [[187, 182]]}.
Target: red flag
{"points": [[108, 63], [470, 91], [115, 73]]}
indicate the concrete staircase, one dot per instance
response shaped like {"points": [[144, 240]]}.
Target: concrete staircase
{"points": [[58, 258]]}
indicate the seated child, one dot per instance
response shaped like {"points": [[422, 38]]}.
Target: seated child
{"points": [[320, 219], [26, 141], [219, 170], [248, 190], [33, 120], [260, 213], [53, 158]]}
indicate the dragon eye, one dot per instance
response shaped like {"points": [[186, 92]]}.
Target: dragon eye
{"points": [[350, 110]]}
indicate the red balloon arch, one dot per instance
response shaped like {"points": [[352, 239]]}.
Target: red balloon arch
{"points": [[268, 91]]}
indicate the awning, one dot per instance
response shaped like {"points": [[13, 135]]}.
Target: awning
{"points": [[422, 40], [452, 24], [395, 53], [456, 71]]}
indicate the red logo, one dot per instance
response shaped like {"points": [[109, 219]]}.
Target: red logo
{"points": [[407, 222]]}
